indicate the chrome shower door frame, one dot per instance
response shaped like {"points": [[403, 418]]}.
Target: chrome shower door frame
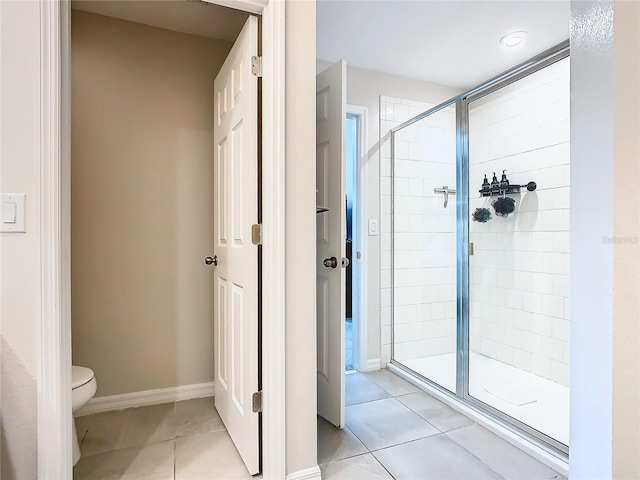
{"points": [[462, 103], [548, 443]]}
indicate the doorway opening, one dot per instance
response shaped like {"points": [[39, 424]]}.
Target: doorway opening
{"points": [[355, 285], [55, 417], [164, 173], [351, 207]]}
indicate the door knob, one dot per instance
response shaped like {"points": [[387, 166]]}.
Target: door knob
{"points": [[211, 260], [330, 262]]}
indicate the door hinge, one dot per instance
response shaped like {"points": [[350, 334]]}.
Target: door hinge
{"points": [[470, 249], [256, 66], [256, 402], [256, 234]]}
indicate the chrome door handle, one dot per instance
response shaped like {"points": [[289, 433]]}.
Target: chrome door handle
{"points": [[330, 262], [211, 260]]}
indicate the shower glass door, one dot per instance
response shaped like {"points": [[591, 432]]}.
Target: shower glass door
{"points": [[480, 280], [519, 270], [424, 247]]}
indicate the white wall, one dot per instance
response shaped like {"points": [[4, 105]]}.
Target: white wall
{"points": [[519, 273], [605, 333], [592, 157], [364, 88], [20, 286], [142, 203], [300, 288], [424, 231]]}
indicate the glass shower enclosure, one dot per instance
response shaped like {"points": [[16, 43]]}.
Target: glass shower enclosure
{"points": [[480, 248]]}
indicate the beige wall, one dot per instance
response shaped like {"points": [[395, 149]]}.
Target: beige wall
{"points": [[626, 260], [364, 88], [142, 203]]}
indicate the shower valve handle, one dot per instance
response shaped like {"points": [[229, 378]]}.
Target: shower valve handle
{"points": [[330, 262]]}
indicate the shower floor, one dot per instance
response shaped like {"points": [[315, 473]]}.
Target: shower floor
{"points": [[540, 403]]}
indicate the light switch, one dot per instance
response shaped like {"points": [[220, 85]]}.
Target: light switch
{"points": [[373, 227], [12, 212], [9, 210]]}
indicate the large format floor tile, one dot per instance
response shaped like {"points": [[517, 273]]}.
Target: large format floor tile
{"points": [[501, 456], [362, 467], [129, 428], [197, 416], [336, 444], [443, 417], [209, 456], [390, 382], [147, 462], [386, 422], [104, 433], [187, 441], [82, 426], [360, 390], [433, 458]]}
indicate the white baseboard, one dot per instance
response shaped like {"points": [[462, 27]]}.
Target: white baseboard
{"points": [[549, 459], [373, 364], [147, 397], [312, 473]]}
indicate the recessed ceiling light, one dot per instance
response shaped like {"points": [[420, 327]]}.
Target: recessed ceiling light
{"points": [[513, 39]]}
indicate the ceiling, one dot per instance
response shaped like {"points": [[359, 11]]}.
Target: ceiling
{"points": [[185, 16], [453, 43]]}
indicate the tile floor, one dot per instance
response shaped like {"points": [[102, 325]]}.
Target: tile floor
{"points": [[396, 431], [174, 441]]}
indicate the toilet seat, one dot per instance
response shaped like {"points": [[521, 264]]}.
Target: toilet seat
{"points": [[83, 388], [80, 376]]}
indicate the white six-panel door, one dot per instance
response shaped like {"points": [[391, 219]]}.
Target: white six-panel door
{"points": [[236, 273], [330, 240]]}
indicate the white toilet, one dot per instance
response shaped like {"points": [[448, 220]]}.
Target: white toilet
{"points": [[84, 386]]}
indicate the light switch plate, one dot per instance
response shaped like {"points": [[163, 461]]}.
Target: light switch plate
{"points": [[373, 227], [12, 212]]}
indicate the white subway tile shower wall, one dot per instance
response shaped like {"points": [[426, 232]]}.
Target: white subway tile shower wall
{"points": [[424, 274], [519, 273]]}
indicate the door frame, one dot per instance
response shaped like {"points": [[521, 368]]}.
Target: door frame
{"points": [[359, 293], [54, 363]]}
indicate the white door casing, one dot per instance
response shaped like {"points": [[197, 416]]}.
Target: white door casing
{"points": [[236, 273], [330, 240]]}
